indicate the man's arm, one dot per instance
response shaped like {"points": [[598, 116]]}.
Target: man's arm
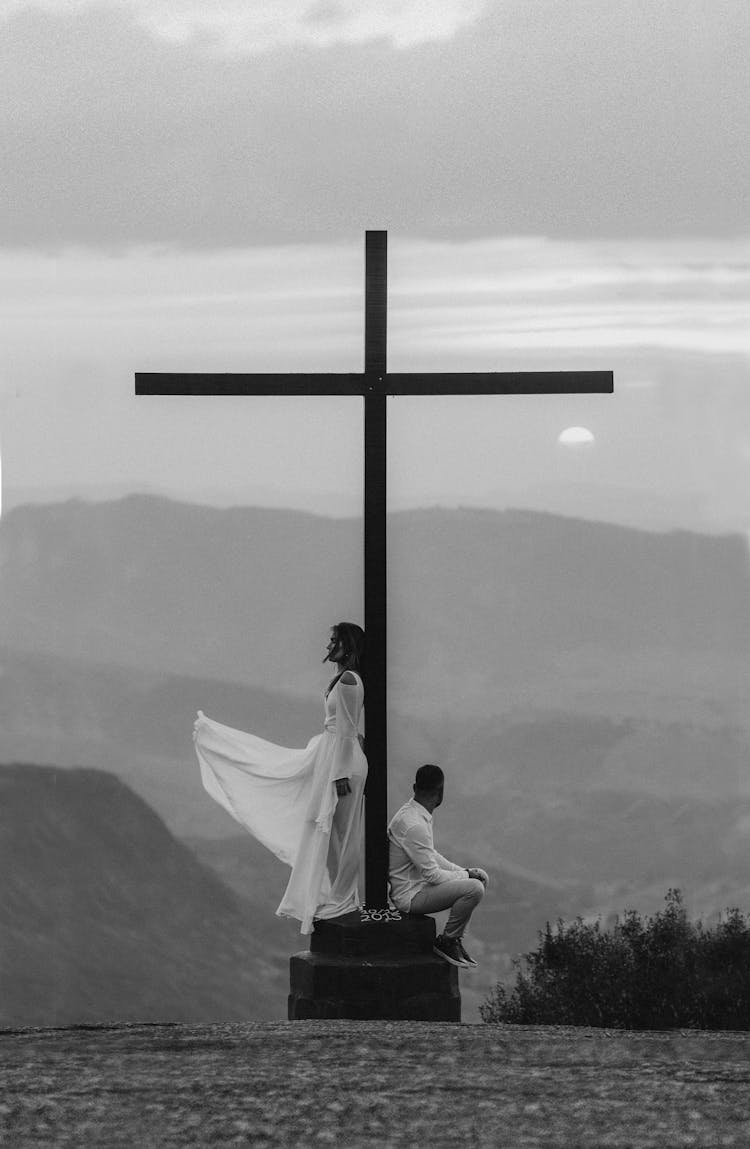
{"points": [[416, 844], [472, 871], [445, 864]]}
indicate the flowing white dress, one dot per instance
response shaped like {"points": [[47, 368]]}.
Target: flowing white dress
{"points": [[287, 800]]}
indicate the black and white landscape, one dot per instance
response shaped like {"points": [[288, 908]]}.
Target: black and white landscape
{"points": [[185, 189], [584, 686]]}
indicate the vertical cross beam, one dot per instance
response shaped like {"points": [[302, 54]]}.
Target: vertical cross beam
{"points": [[375, 465]]}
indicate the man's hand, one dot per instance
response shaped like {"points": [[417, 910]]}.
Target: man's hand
{"points": [[482, 875], [342, 787]]}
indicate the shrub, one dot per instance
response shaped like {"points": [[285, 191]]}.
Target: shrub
{"points": [[662, 972]]}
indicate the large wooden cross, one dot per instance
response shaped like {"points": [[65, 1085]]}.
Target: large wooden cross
{"points": [[374, 385]]}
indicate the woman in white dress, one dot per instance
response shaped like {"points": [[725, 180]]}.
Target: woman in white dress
{"points": [[307, 806]]}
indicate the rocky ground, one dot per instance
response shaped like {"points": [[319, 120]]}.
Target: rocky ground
{"points": [[350, 1084]]}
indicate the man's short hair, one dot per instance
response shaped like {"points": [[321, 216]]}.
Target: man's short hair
{"points": [[429, 777]]}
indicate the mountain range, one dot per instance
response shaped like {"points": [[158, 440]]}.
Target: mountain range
{"points": [[105, 916], [486, 608], [584, 686], [526, 651]]}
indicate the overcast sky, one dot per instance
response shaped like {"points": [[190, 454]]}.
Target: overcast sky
{"points": [[186, 186]]}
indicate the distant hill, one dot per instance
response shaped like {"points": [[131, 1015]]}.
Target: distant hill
{"points": [[137, 725], [164, 586], [585, 686], [105, 916], [487, 609]]}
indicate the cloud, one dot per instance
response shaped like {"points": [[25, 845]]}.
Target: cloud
{"points": [[668, 317], [457, 306], [252, 26], [483, 299], [533, 118]]}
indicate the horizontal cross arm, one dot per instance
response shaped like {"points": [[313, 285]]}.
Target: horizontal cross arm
{"points": [[498, 383], [392, 383], [179, 383]]}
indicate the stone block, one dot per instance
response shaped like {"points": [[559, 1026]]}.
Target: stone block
{"points": [[369, 965]]}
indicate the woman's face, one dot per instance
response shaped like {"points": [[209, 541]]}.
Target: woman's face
{"points": [[335, 650]]}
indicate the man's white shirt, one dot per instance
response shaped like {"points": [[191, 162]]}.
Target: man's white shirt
{"points": [[413, 860]]}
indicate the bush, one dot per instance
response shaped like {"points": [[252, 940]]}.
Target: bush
{"points": [[663, 972]]}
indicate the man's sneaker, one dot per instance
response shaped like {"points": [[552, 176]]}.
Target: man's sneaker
{"points": [[449, 949], [467, 958]]}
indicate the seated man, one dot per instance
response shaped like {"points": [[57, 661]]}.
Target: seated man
{"points": [[423, 881]]}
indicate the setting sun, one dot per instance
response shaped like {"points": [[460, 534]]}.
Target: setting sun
{"points": [[575, 437]]}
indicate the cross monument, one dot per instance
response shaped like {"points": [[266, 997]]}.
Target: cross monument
{"points": [[375, 384]]}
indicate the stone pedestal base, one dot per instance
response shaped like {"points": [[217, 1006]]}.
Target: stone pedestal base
{"points": [[366, 966]]}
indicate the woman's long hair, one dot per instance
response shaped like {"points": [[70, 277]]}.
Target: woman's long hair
{"points": [[352, 638]]}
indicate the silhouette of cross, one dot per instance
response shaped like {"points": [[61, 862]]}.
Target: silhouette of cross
{"points": [[375, 384]]}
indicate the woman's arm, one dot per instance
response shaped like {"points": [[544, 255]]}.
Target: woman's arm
{"points": [[348, 707]]}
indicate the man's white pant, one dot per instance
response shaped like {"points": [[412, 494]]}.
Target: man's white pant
{"points": [[461, 897]]}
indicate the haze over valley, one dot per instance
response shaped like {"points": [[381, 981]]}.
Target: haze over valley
{"points": [[585, 687]]}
